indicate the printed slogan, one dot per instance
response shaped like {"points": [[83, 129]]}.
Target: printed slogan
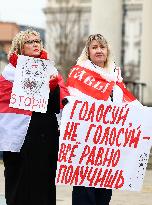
{"points": [[31, 84], [104, 145]]}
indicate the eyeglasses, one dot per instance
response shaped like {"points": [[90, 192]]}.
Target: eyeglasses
{"points": [[30, 42]]}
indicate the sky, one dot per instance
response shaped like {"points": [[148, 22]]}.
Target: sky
{"points": [[24, 12]]}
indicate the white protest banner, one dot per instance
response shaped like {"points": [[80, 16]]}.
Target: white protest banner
{"points": [[31, 84], [104, 145]]}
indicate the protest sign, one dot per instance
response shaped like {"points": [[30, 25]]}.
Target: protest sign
{"points": [[31, 84], [104, 145]]}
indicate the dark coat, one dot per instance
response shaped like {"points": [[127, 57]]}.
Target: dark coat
{"points": [[30, 174]]}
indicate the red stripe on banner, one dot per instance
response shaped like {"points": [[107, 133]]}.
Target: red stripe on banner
{"points": [[5, 95], [127, 95], [90, 83]]}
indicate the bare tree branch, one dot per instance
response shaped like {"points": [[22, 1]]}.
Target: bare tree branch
{"points": [[65, 29]]}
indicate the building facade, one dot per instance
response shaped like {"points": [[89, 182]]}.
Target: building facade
{"points": [[131, 38], [146, 54], [68, 23], [124, 19], [106, 18], [8, 31]]}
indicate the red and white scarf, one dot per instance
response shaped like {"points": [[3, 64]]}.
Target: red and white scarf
{"points": [[92, 81], [13, 122]]}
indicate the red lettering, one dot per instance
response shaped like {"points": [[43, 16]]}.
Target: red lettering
{"points": [[83, 111], [100, 179], [110, 179], [122, 116], [105, 136], [85, 152], [61, 173], [68, 174], [99, 114], [74, 108], [28, 99], [116, 158], [91, 156], [89, 130], [121, 131], [20, 99], [91, 113], [72, 153], [128, 134], [34, 101], [63, 152], [83, 173], [99, 157], [114, 114], [134, 139], [91, 178], [112, 137], [70, 132], [97, 135], [75, 176], [108, 157], [13, 99], [120, 181], [108, 109]]}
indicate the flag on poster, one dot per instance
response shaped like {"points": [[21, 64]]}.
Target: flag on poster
{"points": [[31, 84], [14, 122]]}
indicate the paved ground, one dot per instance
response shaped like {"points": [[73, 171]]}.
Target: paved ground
{"points": [[119, 197]]}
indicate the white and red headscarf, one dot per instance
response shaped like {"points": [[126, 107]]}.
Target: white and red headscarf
{"points": [[89, 80]]}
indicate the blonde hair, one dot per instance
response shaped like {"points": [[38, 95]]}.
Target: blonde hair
{"points": [[19, 40], [109, 64]]}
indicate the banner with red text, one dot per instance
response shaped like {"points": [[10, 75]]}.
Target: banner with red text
{"points": [[31, 84], [104, 145]]}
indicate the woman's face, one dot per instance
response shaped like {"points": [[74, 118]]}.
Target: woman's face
{"points": [[32, 46], [98, 53]]}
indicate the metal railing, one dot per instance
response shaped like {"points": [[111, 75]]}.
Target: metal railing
{"points": [[137, 89]]}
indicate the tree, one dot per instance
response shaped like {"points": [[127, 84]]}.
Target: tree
{"points": [[65, 34]]}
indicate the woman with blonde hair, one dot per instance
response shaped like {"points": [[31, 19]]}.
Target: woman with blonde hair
{"points": [[97, 77], [29, 140]]}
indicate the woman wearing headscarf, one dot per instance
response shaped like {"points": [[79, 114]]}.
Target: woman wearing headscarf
{"points": [[96, 76]]}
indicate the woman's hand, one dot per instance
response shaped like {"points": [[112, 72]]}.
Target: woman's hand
{"points": [[53, 82], [44, 54], [13, 59]]}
